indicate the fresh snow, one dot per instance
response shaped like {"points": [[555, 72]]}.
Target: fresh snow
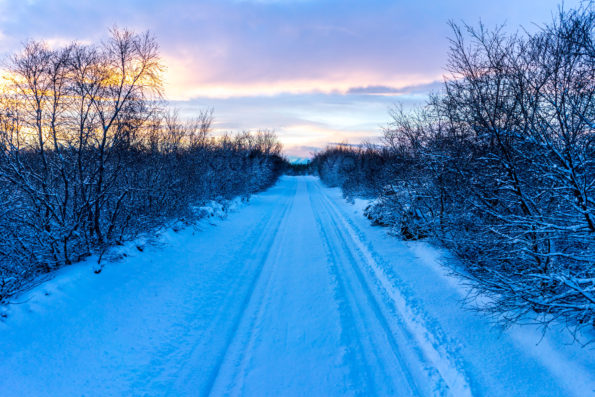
{"points": [[294, 294]]}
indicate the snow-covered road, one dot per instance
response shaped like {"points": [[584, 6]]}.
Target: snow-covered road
{"points": [[294, 294]]}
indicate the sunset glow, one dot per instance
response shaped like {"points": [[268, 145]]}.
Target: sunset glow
{"points": [[281, 65]]}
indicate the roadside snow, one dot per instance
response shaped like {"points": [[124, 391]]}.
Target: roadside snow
{"points": [[294, 294]]}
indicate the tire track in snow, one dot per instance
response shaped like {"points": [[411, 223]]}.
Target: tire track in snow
{"points": [[418, 333], [263, 249], [349, 331], [352, 288], [170, 363], [238, 356], [255, 261]]}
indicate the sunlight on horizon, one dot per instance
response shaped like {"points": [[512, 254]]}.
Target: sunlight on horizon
{"points": [[276, 64]]}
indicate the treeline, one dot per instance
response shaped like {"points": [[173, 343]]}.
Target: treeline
{"points": [[295, 169], [499, 167], [90, 156]]}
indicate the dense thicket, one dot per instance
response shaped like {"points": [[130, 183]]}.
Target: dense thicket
{"points": [[89, 156], [499, 167]]}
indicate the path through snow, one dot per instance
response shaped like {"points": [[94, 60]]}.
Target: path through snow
{"points": [[295, 294]]}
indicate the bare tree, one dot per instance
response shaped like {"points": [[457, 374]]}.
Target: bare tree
{"points": [[90, 155], [500, 168]]}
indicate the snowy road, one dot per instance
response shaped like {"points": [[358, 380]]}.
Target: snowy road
{"points": [[295, 294]]}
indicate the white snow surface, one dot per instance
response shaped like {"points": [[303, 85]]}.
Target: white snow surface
{"points": [[294, 294]]}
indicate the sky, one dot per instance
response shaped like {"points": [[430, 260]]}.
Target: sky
{"points": [[315, 71]]}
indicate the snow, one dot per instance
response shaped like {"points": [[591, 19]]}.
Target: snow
{"points": [[293, 294]]}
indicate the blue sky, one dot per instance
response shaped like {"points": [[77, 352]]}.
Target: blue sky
{"points": [[314, 71]]}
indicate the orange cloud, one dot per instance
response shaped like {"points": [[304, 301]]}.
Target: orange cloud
{"points": [[186, 79]]}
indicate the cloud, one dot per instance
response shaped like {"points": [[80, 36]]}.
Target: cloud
{"points": [[315, 71], [298, 154], [232, 48], [387, 90], [304, 121], [374, 90]]}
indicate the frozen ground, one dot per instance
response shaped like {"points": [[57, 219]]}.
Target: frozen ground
{"points": [[294, 294]]}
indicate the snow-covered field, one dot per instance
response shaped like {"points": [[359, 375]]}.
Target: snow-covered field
{"points": [[294, 294]]}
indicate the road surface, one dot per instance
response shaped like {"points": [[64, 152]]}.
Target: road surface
{"points": [[294, 294]]}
